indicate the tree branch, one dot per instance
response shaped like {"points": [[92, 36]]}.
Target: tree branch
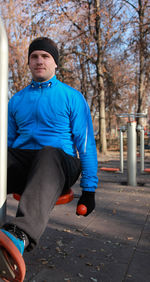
{"points": [[126, 1]]}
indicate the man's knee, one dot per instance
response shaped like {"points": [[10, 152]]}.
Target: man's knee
{"points": [[50, 152]]}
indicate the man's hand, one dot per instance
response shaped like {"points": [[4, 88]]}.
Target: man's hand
{"points": [[87, 199]]}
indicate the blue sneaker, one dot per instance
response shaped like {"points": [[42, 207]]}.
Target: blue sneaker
{"points": [[18, 242], [12, 245]]}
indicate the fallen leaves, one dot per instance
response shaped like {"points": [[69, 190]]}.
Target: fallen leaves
{"points": [[88, 264], [130, 238], [114, 211], [59, 243], [93, 279]]}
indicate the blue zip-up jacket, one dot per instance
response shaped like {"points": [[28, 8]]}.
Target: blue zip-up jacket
{"points": [[54, 114]]}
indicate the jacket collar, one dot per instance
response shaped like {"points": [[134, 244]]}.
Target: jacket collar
{"points": [[51, 82]]}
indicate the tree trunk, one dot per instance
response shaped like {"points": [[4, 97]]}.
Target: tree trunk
{"points": [[141, 88], [100, 82]]}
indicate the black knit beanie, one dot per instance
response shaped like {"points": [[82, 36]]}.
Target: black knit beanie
{"points": [[45, 44]]}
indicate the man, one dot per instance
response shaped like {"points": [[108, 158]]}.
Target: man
{"points": [[48, 122]]}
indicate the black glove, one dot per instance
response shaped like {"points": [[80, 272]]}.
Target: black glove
{"points": [[87, 199]]}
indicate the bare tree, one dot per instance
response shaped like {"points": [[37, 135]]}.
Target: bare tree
{"points": [[98, 41], [100, 79], [141, 30]]}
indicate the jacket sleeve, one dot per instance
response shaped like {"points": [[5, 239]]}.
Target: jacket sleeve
{"points": [[12, 127], [82, 129]]}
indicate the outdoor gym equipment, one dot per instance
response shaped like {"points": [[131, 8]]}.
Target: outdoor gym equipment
{"points": [[16, 265], [132, 130], [141, 130], [65, 198], [9, 253], [3, 119], [116, 169]]}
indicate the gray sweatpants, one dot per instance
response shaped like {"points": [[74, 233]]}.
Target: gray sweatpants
{"points": [[40, 176]]}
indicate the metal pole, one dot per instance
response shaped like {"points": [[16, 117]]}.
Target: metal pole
{"points": [[121, 151], [142, 149], [131, 162], [3, 119]]}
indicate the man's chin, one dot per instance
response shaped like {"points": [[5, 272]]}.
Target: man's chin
{"points": [[39, 78]]}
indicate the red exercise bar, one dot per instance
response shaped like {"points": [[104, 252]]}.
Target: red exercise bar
{"points": [[110, 169], [63, 199], [147, 170]]}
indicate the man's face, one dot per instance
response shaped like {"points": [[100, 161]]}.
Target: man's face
{"points": [[42, 65]]}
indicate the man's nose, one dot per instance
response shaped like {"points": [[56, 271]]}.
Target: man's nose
{"points": [[39, 60]]}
